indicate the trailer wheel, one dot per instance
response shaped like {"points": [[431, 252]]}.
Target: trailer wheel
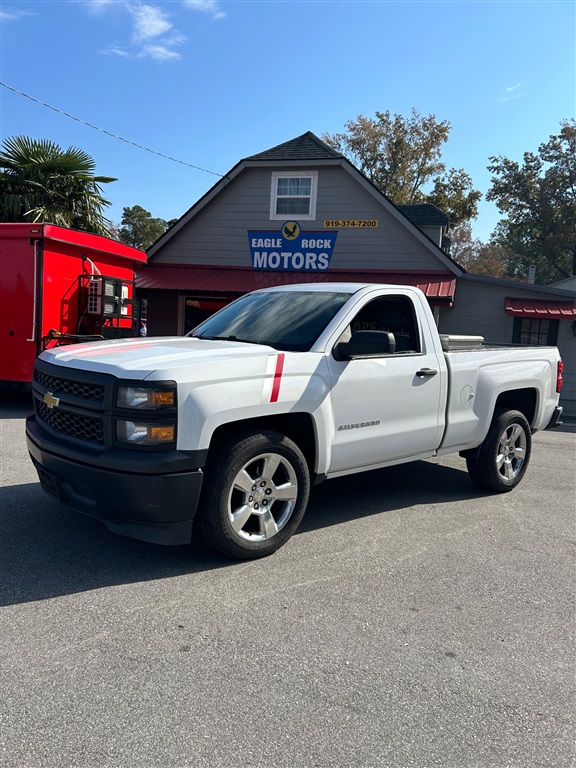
{"points": [[256, 492], [502, 460]]}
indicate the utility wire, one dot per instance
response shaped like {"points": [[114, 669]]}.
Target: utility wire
{"points": [[113, 135]]}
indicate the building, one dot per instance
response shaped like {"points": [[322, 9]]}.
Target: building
{"points": [[302, 212]]}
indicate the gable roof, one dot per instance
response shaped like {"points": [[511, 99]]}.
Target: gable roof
{"points": [[305, 147], [283, 155]]}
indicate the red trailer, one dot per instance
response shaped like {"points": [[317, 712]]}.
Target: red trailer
{"points": [[60, 286]]}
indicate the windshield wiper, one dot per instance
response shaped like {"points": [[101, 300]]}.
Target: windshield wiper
{"points": [[230, 338]]}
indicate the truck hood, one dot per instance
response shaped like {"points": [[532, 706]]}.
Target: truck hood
{"points": [[139, 358]]}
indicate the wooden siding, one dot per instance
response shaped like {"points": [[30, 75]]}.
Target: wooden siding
{"points": [[433, 232], [567, 347], [479, 310], [217, 235]]}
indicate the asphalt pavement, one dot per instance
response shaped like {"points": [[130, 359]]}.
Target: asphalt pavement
{"points": [[412, 621]]}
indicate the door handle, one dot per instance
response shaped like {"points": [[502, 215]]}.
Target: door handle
{"points": [[423, 372]]}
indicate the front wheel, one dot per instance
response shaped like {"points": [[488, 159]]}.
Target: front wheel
{"points": [[502, 460], [256, 492]]}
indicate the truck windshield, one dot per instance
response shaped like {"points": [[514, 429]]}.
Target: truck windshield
{"points": [[284, 320]]}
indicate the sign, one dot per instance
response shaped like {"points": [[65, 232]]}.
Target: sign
{"points": [[291, 249], [351, 223]]}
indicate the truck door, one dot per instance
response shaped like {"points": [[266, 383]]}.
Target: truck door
{"points": [[391, 406]]}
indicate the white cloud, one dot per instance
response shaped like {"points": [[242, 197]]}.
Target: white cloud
{"points": [[96, 6], [149, 21], [206, 6], [511, 93], [11, 15], [173, 39], [116, 51], [153, 35], [158, 53]]}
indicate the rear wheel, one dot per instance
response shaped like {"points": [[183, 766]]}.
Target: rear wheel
{"points": [[502, 460], [256, 492]]}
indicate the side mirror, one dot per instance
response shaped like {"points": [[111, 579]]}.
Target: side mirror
{"points": [[366, 344]]}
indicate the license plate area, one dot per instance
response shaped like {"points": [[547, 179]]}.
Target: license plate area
{"points": [[48, 482]]}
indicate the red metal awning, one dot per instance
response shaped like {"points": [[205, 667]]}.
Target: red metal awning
{"points": [[540, 308], [439, 287]]}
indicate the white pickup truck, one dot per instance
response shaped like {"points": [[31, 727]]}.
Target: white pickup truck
{"points": [[229, 426]]}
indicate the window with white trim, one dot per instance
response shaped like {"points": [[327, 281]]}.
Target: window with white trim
{"points": [[293, 195]]}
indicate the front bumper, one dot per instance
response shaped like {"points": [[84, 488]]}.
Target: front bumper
{"points": [[138, 500]]}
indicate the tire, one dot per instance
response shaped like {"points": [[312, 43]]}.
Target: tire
{"points": [[256, 492], [502, 460]]}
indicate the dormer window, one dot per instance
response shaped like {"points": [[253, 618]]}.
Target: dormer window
{"points": [[293, 195]]}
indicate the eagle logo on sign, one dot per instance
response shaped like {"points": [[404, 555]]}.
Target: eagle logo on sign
{"points": [[291, 230]]}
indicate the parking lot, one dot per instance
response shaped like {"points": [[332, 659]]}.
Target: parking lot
{"points": [[412, 621]]}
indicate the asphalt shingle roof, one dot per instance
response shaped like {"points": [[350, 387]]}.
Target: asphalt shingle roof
{"points": [[305, 147], [423, 214]]}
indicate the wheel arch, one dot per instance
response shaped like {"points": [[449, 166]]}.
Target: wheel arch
{"points": [[524, 400], [299, 427]]}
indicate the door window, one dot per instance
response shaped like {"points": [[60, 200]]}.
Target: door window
{"points": [[394, 314]]}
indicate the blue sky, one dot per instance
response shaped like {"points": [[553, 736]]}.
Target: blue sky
{"points": [[211, 82]]}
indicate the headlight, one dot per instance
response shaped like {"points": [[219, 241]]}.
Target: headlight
{"points": [[137, 433], [144, 397]]}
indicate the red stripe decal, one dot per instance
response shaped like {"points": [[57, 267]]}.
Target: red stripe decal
{"points": [[277, 378]]}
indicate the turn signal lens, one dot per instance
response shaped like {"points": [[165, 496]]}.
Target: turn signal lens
{"points": [[161, 398], [144, 397], [162, 434]]}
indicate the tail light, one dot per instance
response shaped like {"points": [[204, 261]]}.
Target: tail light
{"points": [[559, 376]]}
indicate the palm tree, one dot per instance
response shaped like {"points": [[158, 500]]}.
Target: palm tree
{"points": [[41, 182]]}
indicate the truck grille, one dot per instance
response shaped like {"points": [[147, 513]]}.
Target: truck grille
{"points": [[71, 424], [94, 392], [79, 406]]}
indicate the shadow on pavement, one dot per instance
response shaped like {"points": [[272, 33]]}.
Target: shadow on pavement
{"points": [[566, 426], [15, 405], [49, 550]]}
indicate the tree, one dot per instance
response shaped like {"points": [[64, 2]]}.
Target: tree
{"points": [[474, 255], [139, 229], [402, 156], [538, 198], [39, 181], [453, 194], [464, 248]]}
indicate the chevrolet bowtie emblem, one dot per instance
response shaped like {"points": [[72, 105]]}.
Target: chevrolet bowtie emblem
{"points": [[51, 401]]}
